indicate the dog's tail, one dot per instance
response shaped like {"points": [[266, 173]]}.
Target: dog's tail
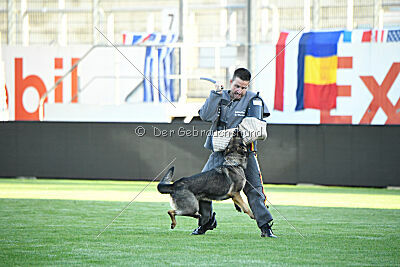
{"points": [[165, 186]]}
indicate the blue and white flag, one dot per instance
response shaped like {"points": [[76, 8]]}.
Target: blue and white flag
{"points": [[159, 55], [165, 68], [393, 36]]}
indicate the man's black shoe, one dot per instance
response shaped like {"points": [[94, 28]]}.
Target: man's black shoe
{"points": [[266, 231], [210, 225]]}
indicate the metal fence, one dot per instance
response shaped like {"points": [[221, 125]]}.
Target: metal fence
{"points": [[65, 22]]}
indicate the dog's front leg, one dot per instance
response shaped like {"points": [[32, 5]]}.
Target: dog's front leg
{"points": [[238, 200], [172, 214]]}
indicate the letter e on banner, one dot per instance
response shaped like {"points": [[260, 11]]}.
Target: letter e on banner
{"points": [[344, 91]]}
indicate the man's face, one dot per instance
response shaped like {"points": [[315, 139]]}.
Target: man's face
{"points": [[238, 88]]}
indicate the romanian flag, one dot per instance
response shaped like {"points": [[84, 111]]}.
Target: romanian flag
{"points": [[316, 70]]}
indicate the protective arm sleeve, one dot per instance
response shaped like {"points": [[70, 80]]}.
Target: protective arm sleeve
{"points": [[208, 112], [266, 111]]}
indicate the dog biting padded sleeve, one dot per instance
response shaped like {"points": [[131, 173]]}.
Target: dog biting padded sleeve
{"points": [[253, 129], [220, 139]]}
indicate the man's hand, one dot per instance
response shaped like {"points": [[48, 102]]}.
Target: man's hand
{"points": [[218, 87]]}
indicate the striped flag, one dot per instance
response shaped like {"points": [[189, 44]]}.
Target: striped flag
{"points": [[148, 94], [316, 70], [371, 36], [160, 57], [282, 97], [165, 68], [393, 36], [279, 73]]}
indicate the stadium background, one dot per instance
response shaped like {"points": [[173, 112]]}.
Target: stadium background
{"points": [[89, 128], [87, 132]]}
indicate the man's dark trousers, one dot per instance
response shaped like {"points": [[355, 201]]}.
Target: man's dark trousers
{"points": [[253, 190]]}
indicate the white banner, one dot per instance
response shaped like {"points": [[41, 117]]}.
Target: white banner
{"points": [[104, 77], [367, 78]]}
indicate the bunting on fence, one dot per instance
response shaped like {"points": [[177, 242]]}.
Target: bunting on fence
{"points": [[372, 36]]}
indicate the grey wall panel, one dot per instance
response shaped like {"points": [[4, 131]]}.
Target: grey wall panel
{"points": [[319, 154], [8, 148], [278, 154], [311, 150]]}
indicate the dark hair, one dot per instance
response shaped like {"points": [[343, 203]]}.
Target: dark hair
{"points": [[242, 74]]}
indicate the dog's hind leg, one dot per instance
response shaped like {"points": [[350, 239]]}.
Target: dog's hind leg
{"points": [[172, 214], [186, 204], [238, 200]]}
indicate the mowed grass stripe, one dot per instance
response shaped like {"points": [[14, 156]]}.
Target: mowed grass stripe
{"points": [[316, 196], [63, 232]]}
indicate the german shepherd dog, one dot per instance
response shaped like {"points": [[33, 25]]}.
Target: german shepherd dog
{"points": [[223, 182]]}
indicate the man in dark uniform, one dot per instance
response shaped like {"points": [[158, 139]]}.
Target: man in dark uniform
{"points": [[226, 109]]}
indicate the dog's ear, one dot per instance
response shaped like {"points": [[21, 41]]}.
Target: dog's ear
{"points": [[171, 171]]}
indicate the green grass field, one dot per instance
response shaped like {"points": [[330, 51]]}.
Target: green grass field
{"points": [[55, 222]]}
